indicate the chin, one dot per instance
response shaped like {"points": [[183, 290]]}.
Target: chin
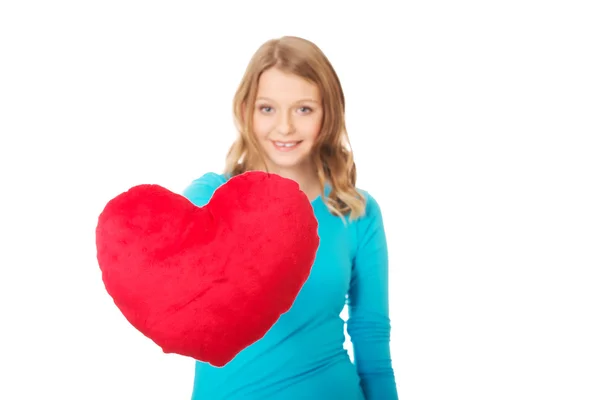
{"points": [[286, 159], [285, 164]]}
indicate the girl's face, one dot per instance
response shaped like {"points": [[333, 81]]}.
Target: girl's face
{"points": [[287, 119]]}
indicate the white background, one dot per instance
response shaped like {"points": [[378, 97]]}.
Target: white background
{"points": [[475, 125]]}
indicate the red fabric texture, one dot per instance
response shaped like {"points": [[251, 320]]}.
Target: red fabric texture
{"points": [[206, 282]]}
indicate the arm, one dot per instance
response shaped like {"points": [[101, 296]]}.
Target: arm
{"points": [[368, 308]]}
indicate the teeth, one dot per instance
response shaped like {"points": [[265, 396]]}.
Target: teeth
{"points": [[281, 144]]}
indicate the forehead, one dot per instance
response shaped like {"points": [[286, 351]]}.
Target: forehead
{"points": [[283, 87]]}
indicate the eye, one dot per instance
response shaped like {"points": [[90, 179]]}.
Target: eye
{"points": [[305, 110], [265, 109]]}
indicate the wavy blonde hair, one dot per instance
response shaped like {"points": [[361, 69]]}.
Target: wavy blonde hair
{"points": [[332, 153]]}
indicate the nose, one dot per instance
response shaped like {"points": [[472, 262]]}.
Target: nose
{"points": [[285, 126]]}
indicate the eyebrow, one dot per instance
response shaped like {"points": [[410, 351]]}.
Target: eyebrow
{"points": [[299, 101]]}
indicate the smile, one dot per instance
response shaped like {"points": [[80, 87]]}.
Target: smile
{"points": [[286, 146]]}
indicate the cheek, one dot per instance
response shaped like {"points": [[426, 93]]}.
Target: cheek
{"points": [[312, 128], [261, 126]]}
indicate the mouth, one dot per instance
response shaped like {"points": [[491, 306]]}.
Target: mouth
{"points": [[286, 146]]}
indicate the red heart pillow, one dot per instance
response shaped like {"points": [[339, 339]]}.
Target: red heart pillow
{"points": [[207, 282]]}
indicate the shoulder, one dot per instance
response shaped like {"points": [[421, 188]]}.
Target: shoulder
{"points": [[209, 179], [370, 223], [370, 236], [201, 189], [372, 210]]}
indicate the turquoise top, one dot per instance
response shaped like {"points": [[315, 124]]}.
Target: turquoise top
{"points": [[303, 356]]}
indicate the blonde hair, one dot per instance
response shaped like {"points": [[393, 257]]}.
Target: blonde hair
{"points": [[332, 153]]}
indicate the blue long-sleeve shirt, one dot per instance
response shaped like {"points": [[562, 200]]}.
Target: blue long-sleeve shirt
{"points": [[303, 356]]}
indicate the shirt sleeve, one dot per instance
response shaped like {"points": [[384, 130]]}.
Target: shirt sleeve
{"points": [[368, 307], [200, 190]]}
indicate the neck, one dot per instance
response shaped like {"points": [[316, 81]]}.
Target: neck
{"points": [[306, 178]]}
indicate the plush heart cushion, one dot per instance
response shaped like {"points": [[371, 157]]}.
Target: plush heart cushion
{"points": [[207, 282]]}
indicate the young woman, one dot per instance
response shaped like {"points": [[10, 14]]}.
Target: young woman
{"points": [[289, 110]]}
